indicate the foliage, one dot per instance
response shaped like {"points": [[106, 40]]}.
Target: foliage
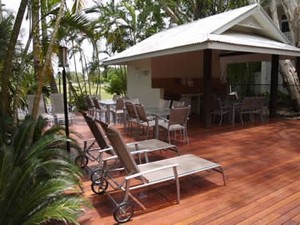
{"points": [[117, 82], [5, 29], [183, 11], [38, 181], [242, 75]]}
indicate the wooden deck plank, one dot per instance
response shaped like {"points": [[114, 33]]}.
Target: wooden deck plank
{"points": [[261, 164]]}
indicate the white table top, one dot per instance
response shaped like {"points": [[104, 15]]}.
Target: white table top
{"points": [[107, 102], [158, 111]]}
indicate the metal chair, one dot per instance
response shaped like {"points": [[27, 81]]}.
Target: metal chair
{"points": [[118, 111], [219, 110], [131, 116], [144, 121], [177, 122], [99, 111]]}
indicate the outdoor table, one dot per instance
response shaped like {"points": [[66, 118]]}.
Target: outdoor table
{"points": [[157, 112], [107, 103]]}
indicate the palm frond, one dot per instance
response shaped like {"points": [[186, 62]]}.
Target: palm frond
{"points": [[38, 180]]}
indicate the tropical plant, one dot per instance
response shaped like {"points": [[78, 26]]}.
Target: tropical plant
{"points": [[188, 10], [6, 71], [117, 82], [39, 183]]}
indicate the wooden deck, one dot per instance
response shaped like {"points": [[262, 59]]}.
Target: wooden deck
{"points": [[262, 169]]}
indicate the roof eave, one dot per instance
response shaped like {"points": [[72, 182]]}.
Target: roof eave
{"points": [[202, 46], [252, 49], [181, 49]]}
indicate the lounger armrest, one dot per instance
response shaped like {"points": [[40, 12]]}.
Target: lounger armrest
{"points": [[140, 151], [105, 149], [114, 157], [174, 166], [89, 139]]}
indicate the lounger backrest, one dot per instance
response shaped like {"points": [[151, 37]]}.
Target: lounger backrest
{"points": [[42, 106], [96, 131], [120, 149], [57, 102]]}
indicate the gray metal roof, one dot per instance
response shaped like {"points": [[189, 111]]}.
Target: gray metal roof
{"points": [[246, 29]]}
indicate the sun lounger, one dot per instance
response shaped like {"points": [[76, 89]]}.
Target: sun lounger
{"points": [[151, 173], [95, 126]]}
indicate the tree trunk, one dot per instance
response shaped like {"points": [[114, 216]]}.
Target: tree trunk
{"points": [[50, 74], [43, 74], [287, 68], [37, 53], [1, 12], [6, 72]]}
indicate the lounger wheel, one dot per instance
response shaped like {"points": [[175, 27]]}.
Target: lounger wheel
{"points": [[96, 174], [123, 212], [81, 161], [99, 185]]}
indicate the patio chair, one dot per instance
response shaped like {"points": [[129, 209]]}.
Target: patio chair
{"points": [[246, 108], [57, 103], [42, 109], [99, 111], [219, 110], [131, 117], [147, 174], [177, 122], [118, 111], [89, 105], [258, 107], [97, 128], [144, 121]]}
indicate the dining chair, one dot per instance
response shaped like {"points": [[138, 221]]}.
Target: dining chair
{"points": [[219, 110], [258, 107], [118, 110], [144, 121], [177, 122], [100, 112], [89, 105], [131, 116], [246, 108]]}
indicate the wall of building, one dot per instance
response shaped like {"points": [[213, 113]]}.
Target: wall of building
{"points": [[139, 83], [183, 73]]}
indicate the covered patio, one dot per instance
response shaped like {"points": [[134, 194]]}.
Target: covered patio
{"points": [[191, 59], [261, 163]]}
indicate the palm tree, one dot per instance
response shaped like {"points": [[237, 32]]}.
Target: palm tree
{"points": [[6, 71], [38, 181]]}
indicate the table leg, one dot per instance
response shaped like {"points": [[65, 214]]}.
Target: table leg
{"points": [[233, 114], [156, 127], [108, 114]]}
